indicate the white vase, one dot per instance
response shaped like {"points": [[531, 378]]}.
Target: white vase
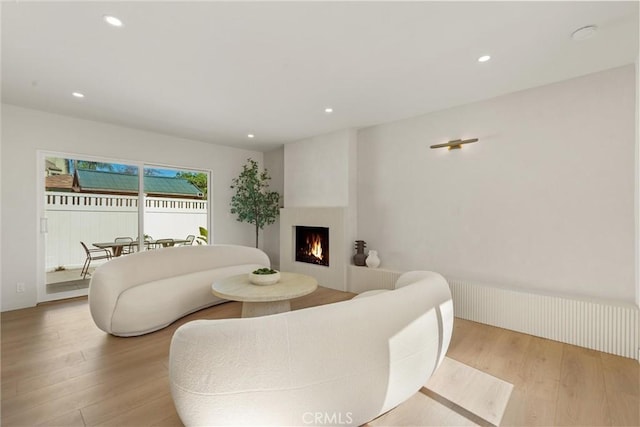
{"points": [[372, 260]]}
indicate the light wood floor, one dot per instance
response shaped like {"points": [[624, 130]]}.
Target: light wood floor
{"points": [[554, 383], [58, 369]]}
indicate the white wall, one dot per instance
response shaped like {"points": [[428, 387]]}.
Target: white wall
{"points": [[317, 170], [274, 163], [544, 201], [637, 182], [1, 208], [25, 131]]}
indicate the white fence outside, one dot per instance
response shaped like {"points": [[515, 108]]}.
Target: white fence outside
{"points": [[91, 218]]}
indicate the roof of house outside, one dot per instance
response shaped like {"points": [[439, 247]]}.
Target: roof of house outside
{"points": [[59, 182], [90, 180]]}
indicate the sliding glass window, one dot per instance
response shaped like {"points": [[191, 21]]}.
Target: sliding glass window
{"points": [[94, 211], [175, 207]]}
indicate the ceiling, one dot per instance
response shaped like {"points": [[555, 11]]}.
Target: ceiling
{"points": [[218, 71]]}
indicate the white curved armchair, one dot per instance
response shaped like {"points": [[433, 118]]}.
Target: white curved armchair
{"points": [[344, 363]]}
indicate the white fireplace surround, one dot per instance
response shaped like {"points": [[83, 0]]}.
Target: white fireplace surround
{"points": [[334, 218]]}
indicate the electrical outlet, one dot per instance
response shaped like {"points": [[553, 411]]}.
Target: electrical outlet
{"points": [[20, 287]]}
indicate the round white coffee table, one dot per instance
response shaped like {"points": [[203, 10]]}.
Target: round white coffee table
{"points": [[263, 300]]}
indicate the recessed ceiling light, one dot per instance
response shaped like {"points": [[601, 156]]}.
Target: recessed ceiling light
{"points": [[328, 110], [584, 33], [251, 135], [484, 58], [78, 94], [112, 20]]}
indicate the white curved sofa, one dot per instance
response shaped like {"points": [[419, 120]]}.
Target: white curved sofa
{"points": [[341, 363], [143, 292]]}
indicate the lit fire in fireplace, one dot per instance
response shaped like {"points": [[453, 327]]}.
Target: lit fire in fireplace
{"points": [[315, 246], [312, 245]]}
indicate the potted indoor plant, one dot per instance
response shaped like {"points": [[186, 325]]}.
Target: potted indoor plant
{"points": [[253, 202]]}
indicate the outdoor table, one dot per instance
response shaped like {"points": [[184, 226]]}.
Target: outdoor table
{"points": [[116, 247]]}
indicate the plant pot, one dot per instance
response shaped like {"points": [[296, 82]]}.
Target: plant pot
{"points": [[264, 279]]}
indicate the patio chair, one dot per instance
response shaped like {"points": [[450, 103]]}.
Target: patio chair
{"points": [[128, 247], [189, 240], [93, 255], [164, 243]]}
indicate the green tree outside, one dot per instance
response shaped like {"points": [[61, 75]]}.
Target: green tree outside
{"points": [[199, 179]]}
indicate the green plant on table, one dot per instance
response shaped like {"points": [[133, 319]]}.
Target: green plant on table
{"points": [[265, 270]]}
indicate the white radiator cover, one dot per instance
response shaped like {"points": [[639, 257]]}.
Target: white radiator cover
{"points": [[599, 325], [362, 279]]}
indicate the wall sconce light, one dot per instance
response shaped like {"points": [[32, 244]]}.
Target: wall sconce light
{"points": [[455, 144]]}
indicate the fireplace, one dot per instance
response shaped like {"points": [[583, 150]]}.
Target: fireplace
{"points": [[312, 245], [333, 220]]}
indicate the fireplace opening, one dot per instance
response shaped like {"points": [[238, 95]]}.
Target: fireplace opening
{"points": [[312, 245]]}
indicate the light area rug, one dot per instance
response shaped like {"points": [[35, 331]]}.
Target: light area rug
{"points": [[455, 395]]}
